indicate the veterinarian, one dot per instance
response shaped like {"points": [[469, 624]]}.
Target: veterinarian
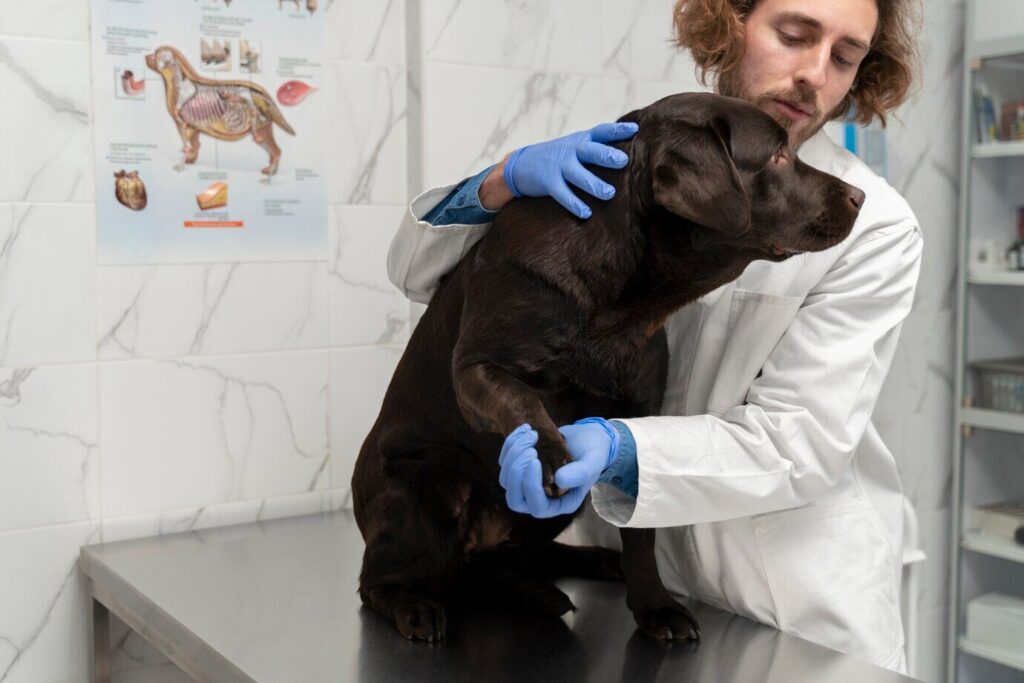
{"points": [[774, 495]]}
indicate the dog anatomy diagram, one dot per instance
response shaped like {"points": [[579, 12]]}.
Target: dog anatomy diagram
{"points": [[226, 110], [195, 159]]}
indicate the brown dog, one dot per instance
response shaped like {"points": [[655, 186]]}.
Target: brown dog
{"points": [[549, 319]]}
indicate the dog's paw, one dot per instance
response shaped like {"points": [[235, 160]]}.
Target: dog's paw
{"points": [[421, 620], [552, 454], [667, 622]]}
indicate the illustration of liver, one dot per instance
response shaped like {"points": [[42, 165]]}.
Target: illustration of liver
{"points": [[293, 92]]}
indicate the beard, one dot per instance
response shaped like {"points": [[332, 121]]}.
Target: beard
{"points": [[731, 85]]}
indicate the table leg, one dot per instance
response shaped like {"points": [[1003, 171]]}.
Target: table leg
{"points": [[100, 643]]}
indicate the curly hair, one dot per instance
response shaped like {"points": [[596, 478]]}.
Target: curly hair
{"points": [[713, 31]]}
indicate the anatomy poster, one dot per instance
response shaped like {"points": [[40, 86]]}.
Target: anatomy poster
{"points": [[210, 130]]}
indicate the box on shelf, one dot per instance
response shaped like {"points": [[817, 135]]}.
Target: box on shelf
{"points": [[997, 620], [999, 384], [1000, 520], [987, 256]]}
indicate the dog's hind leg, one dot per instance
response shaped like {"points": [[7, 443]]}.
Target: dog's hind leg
{"points": [[411, 557], [264, 137]]}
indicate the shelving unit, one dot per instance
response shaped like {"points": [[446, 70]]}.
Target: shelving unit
{"points": [[988, 463], [992, 654], [992, 150], [1007, 278]]}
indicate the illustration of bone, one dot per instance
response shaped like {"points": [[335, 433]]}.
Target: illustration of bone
{"points": [[130, 190], [215, 55], [132, 86], [248, 56], [213, 197], [226, 110], [293, 92]]}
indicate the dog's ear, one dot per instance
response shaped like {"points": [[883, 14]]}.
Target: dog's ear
{"points": [[694, 177]]}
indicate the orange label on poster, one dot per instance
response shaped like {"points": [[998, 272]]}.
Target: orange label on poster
{"points": [[214, 224]]}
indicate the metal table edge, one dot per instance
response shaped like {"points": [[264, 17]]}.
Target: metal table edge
{"points": [[169, 636]]}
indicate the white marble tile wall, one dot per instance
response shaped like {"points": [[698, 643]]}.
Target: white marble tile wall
{"points": [[915, 410], [154, 399], [141, 400]]}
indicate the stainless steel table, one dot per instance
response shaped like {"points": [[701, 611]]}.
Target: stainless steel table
{"points": [[276, 601]]}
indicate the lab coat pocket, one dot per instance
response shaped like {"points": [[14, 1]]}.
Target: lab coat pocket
{"points": [[831, 574], [756, 323]]}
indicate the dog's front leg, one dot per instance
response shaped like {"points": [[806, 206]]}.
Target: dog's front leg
{"points": [[189, 145], [656, 612], [493, 400]]}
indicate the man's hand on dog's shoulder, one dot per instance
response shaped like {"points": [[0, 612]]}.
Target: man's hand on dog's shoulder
{"points": [[592, 442], [546, 169]]}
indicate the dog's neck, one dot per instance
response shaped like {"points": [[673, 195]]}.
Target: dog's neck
{"points": [[663, 271], [669, 274]]}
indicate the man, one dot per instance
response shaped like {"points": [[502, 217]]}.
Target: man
{"points": [[776, 497]]}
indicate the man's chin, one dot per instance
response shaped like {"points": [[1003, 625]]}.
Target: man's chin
{"points": [[799, 132]]}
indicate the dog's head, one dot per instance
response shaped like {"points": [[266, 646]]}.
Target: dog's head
{"points": [[166, 61], [725, 165]]}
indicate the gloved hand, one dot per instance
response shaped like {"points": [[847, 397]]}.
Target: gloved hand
{"points": [[592, 442], [541, 170]]}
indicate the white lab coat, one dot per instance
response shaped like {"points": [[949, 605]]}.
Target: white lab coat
{"points": [[774, 495]]}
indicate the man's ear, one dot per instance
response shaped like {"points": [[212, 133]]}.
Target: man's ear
{"points": [[694, 177]]}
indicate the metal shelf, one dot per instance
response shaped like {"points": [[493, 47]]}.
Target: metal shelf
{"points": [[992, 150], [1008, 277], [1002, 61], [999, 420], [995, 654], [1001, 47], [997, 547]]}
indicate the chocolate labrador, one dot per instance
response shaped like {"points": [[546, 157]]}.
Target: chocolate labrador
{"points": [[549, 319]]}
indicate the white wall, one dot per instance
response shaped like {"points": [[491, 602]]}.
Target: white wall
{"points": [[154, 399], [914, 414], [143, 400]]}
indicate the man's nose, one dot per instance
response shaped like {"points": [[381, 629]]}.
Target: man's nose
{"points": [[813, 67]]}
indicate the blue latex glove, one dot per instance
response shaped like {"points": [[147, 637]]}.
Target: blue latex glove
{"points": [[543, 169], [593, 444]]}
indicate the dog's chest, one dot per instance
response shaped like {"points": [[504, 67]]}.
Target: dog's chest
{"points": [[624, 365]]}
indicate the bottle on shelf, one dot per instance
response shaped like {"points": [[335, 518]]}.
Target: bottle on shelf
{"points": [[1015, 252]]}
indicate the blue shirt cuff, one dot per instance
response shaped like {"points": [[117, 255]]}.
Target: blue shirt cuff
{"points": [[624, 472], [462, 205]]}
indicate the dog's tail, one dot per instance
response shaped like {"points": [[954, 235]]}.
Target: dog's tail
{"points": [[270, 110]]}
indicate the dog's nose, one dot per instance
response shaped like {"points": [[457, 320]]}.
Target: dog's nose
{"points": [[855, 196]]}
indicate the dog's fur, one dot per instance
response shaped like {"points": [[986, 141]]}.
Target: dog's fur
{"points": [[549, 319]]}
